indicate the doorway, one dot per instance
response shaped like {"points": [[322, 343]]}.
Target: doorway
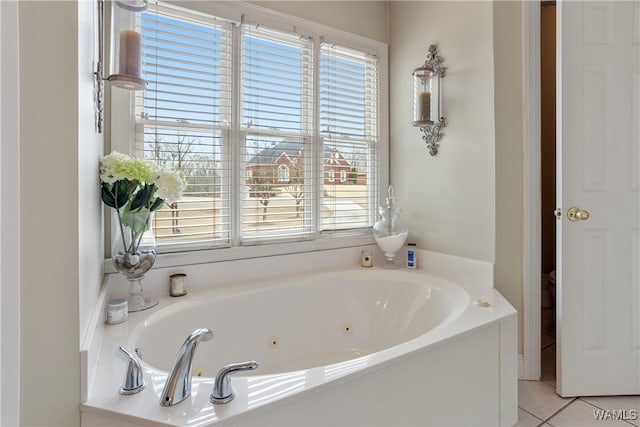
{"points": [[597, 308], [548, 190]]}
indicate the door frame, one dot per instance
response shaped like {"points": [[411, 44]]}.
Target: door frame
{"points": [[532, 238]]}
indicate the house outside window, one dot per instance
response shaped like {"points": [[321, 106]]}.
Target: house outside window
{"points": [[308, 107]]}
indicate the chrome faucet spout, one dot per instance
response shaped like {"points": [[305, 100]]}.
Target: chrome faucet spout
{"points": [[178, 385]]}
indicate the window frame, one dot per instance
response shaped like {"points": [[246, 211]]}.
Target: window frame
{"points": [[123, 136], [283, 173]]}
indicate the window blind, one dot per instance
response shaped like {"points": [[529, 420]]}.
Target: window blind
{"points": [[349, 129], [183, 119], [276, 132], [276, 126]]}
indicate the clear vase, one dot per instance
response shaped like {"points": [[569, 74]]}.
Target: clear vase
{"points": [[134, 256], [389, 232]]}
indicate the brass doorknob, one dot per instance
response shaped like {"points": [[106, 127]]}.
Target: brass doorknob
{"points": [[577, 214]]}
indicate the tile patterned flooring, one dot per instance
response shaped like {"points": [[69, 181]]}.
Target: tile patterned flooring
{"points": [[539, 405]]}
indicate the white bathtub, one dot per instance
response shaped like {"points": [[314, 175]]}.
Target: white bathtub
{"points": [[353, 347], [303, 323]]}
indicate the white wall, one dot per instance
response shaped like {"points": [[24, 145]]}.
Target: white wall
{"points": [[9, 216], [60, 212], [509, 129], [448, 200], [366, 18]]}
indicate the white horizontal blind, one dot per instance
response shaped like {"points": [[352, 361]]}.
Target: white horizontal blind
{"points": [[183, 119], [276, 125], [276, 132], [349, 128]]}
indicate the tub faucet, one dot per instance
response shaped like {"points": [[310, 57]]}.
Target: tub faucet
{"points": [[178, 385]]}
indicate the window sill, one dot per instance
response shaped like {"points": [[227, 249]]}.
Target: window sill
{"points": [[179, 259]]}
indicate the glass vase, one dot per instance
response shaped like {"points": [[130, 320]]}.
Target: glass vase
{"points": [[133, 253]]}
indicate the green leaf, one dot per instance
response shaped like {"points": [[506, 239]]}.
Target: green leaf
{"points": [[136, 221], [122, 192], [142, 198], [107, 196], [157, 204]]}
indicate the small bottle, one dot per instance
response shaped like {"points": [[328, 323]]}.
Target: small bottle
{"points": [[412, 257]]}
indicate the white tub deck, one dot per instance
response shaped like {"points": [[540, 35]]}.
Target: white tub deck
{"points": [[422, 381]]}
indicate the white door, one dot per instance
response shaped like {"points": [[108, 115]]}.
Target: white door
{"points": [[598, 257]]}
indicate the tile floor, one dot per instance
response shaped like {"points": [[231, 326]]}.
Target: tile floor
{"points": [[539, 405]]}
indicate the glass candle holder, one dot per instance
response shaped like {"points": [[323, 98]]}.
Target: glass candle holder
{"points": [[426, 96], [126, 44], [389, 232]]}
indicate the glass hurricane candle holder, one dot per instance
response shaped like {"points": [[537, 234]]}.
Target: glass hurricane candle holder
{"points": [[389, 232]]}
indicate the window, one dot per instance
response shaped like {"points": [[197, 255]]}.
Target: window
{"points": [[276, 125], [283, 173], [277, 130], [349, 99], [183, 117]]}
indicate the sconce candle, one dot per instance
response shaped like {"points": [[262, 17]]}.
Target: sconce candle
{"points": [[125, 65], [125, 62], [130, 42], [427, 99], [424, 107]]}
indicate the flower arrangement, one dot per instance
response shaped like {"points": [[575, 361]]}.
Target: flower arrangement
{"points": [[135, 188]]}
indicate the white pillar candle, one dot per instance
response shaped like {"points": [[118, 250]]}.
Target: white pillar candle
{"points": [[130, 43]]}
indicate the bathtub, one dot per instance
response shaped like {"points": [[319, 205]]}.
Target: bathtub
{"points": [[348, 347]]}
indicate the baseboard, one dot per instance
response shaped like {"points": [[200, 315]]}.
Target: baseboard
{"points": [[90, 345]]}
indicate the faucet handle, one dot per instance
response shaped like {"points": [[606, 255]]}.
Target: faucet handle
{"points": [[134, 379], [222, 390]]}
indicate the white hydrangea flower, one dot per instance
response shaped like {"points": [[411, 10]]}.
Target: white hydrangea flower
{"points": [[170, 184], [107, 165]]}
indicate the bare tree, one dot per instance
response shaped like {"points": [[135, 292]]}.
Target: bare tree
{"points": [[178, 155], [204, 176], [181, 151], [295, 186], [173, 154], [262, 187]]}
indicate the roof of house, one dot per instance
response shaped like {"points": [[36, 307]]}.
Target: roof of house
{"points": [[289, 146], [292, 148]]}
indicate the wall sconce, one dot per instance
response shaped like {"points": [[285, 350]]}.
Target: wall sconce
{"points": [[427, 99], [125, 51]]}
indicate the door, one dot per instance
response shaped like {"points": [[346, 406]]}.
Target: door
{"points": [[598, 162]]}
